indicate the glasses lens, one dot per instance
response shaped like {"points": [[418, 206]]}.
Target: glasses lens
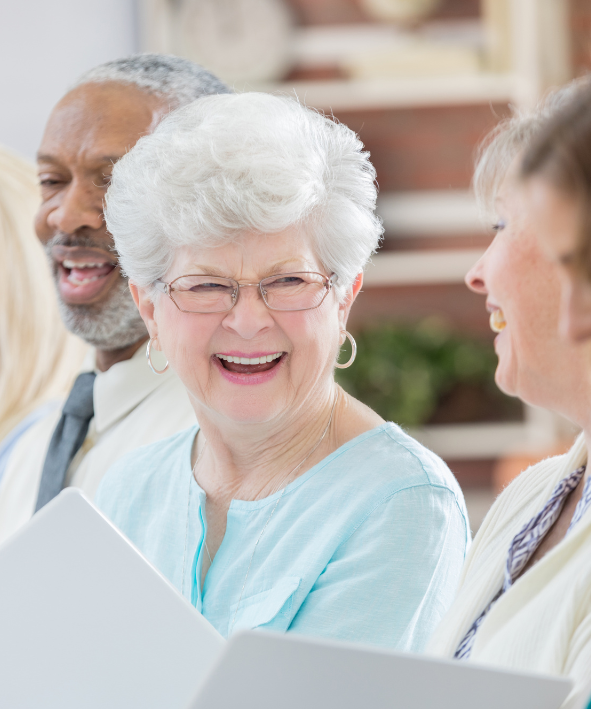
{"points": [[203, 294], [294, 291]]}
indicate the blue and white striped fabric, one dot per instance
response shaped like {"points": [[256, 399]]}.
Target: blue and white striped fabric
{"points": [[526, 542]]}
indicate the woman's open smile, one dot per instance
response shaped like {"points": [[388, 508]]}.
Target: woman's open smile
{"points": [[253, 368]]}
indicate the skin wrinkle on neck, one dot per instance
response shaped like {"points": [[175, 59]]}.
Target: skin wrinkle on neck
{"points": [[250, 465], [265, 466]]}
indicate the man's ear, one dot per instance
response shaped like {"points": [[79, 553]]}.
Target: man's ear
{"points": [[146, 307], [345, 306]]}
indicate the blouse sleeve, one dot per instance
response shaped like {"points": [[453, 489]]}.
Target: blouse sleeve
{"points": [[404, 559]]}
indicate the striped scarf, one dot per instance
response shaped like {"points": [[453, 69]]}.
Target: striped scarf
{"points": [[526, 542]]}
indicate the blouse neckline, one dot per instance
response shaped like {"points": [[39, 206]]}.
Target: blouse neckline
{"points": [[252, 505]]}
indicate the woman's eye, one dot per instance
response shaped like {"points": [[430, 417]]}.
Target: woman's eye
{"points": [[286, 281], [499, 226], [207, 286]]}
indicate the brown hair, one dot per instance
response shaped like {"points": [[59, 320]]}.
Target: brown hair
{"points": [[561, 154], [508, 140]]}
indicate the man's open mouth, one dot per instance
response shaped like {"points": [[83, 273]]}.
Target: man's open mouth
{"points": [[251, 364], [83, 272], [79, 273]]}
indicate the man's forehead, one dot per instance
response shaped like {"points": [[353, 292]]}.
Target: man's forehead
{"points": [[100, 120], [90, 157]]}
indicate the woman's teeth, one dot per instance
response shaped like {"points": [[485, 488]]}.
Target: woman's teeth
{"points": [[497, 321], [250, 360]]}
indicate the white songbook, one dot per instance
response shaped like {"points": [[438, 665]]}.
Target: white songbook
{"points": [[262, 670], [87, 623]]}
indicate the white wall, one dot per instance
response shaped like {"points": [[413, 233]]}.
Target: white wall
{"points": [[44, 46]]}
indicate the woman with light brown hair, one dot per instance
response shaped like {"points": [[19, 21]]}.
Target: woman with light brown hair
{"points": [[38, 357], [524, 597]]}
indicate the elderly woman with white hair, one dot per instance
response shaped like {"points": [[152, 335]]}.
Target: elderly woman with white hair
{"points": [[244, 223]]}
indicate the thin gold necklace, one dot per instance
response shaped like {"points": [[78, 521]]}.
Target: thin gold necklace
{"points": [[282, 483]]}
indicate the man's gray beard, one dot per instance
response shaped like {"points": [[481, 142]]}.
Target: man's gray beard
{"points": [[110, 325]]}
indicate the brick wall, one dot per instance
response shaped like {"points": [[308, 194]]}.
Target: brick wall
{"points": [[463, 310], [429, 148], [335, 12], [423, 148], [580, 11]]}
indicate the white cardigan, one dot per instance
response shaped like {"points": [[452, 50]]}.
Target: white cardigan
{"points": [[543, 622]]}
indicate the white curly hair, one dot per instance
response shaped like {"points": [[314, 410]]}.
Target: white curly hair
{"points": [[230, 164]]}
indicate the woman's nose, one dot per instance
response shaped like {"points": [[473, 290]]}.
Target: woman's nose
{"points": [[474, 279], [250, 316]]}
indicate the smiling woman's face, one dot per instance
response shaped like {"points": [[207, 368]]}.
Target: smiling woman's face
{"points": [[522, 294], [301, 345]]}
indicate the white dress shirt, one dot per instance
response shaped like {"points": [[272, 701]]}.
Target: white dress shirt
{"points": [[132, 407]]}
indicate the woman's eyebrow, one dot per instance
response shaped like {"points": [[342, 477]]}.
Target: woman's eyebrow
{"points": [[207, 271], [274, 268], [280, 264]]}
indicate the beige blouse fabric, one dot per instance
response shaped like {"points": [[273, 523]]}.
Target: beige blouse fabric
{"points": [[543, 622]]}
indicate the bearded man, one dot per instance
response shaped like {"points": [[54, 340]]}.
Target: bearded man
{"points": [[119, 401]]}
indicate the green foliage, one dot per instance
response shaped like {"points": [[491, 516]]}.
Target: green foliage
{"points": [[403, 372]]}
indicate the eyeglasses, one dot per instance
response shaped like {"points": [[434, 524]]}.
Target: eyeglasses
{"points": [[303, 290]]}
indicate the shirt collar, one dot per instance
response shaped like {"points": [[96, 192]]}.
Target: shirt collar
{"points": [[122, 387]]}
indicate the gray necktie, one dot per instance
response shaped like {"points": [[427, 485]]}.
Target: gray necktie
{"points": [[67, 438]]}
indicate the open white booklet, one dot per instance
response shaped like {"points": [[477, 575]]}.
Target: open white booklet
{"points": [[87, 623], [262, 670]]}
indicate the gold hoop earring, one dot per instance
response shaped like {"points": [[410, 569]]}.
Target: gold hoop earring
{"points": [[349, 336], [149, 358]]}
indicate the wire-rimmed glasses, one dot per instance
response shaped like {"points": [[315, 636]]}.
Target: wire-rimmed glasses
{"points": [[303, 290]]}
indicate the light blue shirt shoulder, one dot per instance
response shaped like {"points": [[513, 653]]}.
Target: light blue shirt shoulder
{"points": [[366, 546]]}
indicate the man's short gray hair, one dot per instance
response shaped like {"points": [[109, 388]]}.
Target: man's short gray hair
{"points": [[231, 164], [180, 81], [507, 141]]}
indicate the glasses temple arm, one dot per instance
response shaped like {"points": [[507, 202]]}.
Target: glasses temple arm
{"points": [[161, 286]]}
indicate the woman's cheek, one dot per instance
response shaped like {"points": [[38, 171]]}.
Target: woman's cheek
{"points": [[506, 372]]}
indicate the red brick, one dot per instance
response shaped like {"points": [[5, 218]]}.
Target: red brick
{"points": [[336, 12], [580, 24], [423, 148], [461, 309], [428, 242]]}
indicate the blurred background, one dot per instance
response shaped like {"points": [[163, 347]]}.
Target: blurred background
{"points": [[421, 81]]}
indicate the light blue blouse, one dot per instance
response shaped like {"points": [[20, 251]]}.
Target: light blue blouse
{"points": [[366, 546]]}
